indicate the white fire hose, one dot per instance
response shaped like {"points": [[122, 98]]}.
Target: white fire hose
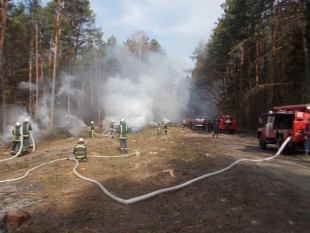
{"points": [[155, 193], [21, 147]]}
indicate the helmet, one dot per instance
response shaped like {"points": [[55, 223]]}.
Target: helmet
{"points": [[17, 123], [81, 140], [112, 121], [122, 119], [92, 122], [26, 120]]}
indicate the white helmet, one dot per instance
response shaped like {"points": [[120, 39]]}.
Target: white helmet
{"points": [[17, 123], [92, 122], [122, 119], [81, 140], [112, 121], [26, 120]]}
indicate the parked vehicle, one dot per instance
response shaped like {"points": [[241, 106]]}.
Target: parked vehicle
{"points": [[198, 123], [230, 120], [282, 122]]}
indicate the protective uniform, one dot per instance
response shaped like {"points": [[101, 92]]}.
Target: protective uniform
{"points": [[26, 128], [215, 130], [166, 128], [92, 130], [17, 132], [80, 150], [159, 131], [307, 142], [122, 129], [112, 128], [227, 128], [100, 127]]}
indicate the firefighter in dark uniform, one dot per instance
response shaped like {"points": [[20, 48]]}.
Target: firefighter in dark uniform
{"points": [[166, 128], [80, 150], [122, 129], [215, 130], [307, 142], [17, 132], [92, 130], [26, 128], [227, 128], [204, 126]]}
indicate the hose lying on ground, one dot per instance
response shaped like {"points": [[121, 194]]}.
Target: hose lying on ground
{"points": [[21, 147], [174, 188], [155, 193]]}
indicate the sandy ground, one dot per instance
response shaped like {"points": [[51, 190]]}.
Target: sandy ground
{"points": [[268, 196]]}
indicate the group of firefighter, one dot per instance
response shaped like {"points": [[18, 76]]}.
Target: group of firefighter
{"points": [[80, 150], [211, 126], [162, 125], [21, 133]]}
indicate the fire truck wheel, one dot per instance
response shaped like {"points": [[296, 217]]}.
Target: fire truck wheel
{"points": [[262, 143], [280, 141]]}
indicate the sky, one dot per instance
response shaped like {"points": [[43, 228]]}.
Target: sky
{"points": [[177, 25]]}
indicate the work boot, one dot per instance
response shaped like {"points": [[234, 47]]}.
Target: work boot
{"points": [[305, 154]]}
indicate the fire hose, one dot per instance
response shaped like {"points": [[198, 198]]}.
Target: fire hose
{"points": [[21, 147], [160, 191]]}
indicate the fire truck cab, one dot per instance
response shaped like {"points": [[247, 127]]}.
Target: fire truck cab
{"points": [[283, 122]]}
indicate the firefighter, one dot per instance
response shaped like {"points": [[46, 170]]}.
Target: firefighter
{"points": [[112, 128], [307, 142], [122, 130], [80, 150], [159, 131], [227, 128], [17, 132], [100, 127], [26, 128], [92, 130], [209, 126], [204, 126], [215, 130], [166, 128]]}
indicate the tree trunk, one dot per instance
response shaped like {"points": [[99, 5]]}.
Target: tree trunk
{"points": [[37, 59], [57, 33], [3, 9], [69, 69]]}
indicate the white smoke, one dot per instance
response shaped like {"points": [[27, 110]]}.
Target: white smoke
{"points": [[27, 85], [152, 96]]}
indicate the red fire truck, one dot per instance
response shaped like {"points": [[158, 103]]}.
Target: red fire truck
{"points": [[198, 123], [230, 120], [282, 122]]}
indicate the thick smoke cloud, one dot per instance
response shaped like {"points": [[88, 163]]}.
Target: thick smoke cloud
{"points": [[151, 96]]}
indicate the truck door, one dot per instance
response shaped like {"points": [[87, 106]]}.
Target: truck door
{"points": [[269, 127]]}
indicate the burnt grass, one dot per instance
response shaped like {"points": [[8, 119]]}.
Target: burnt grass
{"points": [[246, 198]]}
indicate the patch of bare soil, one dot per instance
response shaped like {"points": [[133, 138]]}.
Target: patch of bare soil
{"points": [[269, 196]]}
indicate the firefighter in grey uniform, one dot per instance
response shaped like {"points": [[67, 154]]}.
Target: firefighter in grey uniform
{"points": [[122, 129], [92, 130], [17, 132], [80, 150], [112, 128], [26, 128]]}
